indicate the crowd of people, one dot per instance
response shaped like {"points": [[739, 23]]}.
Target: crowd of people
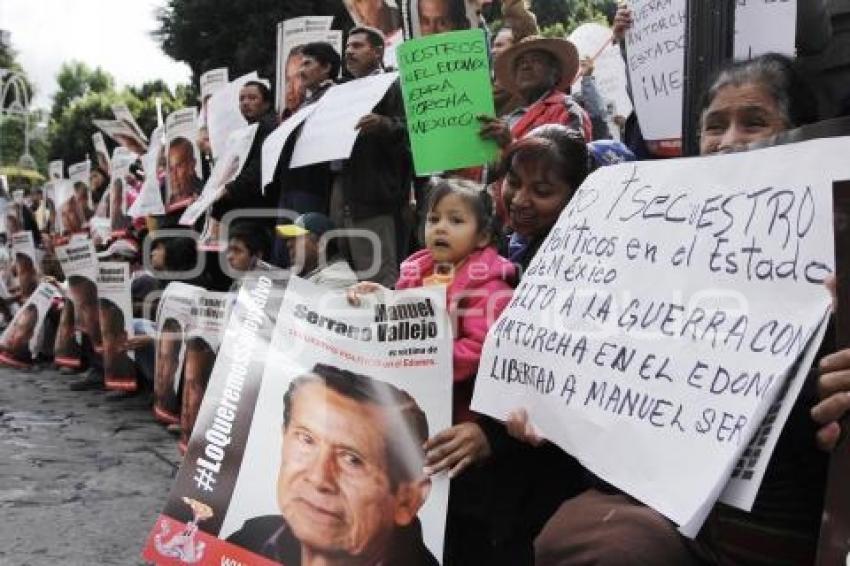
{"points": [[515, 498]]}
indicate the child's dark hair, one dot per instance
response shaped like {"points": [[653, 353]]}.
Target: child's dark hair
{"points": [[253, 236], [557, 149], [475, 196]]}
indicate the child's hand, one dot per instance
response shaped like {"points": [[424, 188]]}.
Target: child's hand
{"points": [[355, 293], [455, 449], [521, 428]]}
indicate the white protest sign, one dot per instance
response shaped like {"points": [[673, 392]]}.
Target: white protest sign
{"points": [[24, 243], [273, 144], [149, 200], [101, 153], [79, 172], [56, 170], [655, 53], [329, 133], [657, 389], [609, 69], [212, 81], [121, 133], [765, 26], [227, 168], [223, 114], [19, 343], [123, 114]]}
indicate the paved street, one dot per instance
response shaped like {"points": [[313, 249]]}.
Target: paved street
{"points": [[82, 478]]}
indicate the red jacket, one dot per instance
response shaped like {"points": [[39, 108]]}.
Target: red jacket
{"points": [[479, 292]]}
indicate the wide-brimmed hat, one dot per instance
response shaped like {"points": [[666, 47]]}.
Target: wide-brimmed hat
{"points": [[564, 52]]}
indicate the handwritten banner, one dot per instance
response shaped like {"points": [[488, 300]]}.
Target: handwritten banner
{"points": [[445, 80], [655, 55], [658, 388]]}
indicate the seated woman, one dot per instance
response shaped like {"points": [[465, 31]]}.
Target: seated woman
{"points": [[748, 102]]}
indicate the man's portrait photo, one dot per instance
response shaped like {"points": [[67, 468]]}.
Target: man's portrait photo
{"points": [[350, 483], [16, 338], [117, 365], [183, 181], [83, 292]]}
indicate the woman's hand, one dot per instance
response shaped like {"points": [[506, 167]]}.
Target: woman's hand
{"points": [[455, 449], [521, 428], [495, 129]]}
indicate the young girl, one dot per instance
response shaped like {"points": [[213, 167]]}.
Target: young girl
{"points": [[460, 253]]}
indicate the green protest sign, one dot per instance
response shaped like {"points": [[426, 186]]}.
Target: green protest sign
{"points": [[445, 80]]}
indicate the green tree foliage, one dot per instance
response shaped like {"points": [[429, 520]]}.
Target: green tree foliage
{"points": [[77, 80], [241, 36], [558, 18], [70, 133]]}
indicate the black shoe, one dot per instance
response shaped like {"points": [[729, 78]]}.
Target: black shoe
{"points": [[93, 380]]}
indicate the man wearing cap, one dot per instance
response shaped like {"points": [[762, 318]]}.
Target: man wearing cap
{"points": [[538, 70], [313, 257]]}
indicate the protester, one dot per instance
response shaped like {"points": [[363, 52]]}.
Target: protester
{"points": [[305, 189], [245, 193], [460, 236], [372, 187], [748, 101], [537, 70]]}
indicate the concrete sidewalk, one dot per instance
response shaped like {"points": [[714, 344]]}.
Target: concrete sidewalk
{"points": [[82, 478]]}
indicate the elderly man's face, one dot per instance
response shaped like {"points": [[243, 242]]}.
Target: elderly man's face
{"points": [[434, 17], [333, 486], [181, 170], [535, 70]]}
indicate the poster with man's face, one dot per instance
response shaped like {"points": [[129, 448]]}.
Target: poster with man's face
{"points": [[173, 322], [383, 15], [70, 208], [26, 263], [308, 445], [55, 170], [291, 36], [429, 17], [115, 310], [19, 342], [78, 260], [209, 317], [183, 159]]}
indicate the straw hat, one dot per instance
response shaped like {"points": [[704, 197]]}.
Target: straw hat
{"points": [[563, 51]]}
